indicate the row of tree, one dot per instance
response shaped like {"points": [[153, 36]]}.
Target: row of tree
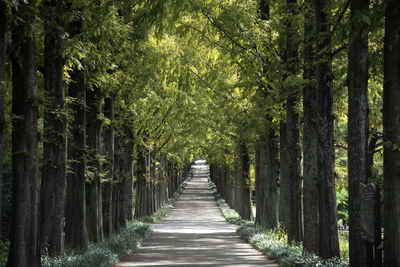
{"points": [[276, 94], [75, 135], [302, 198]]}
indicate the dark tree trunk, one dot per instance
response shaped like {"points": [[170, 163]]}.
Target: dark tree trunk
{"points": [[127, 178], [295, 226], [54, 155], [24, 240], [117, 176], [328, 241], [243, 187], [76, 235], [310, 188], [391, 134], [3, 60], [93, 187], [283, 181], [357, 128], [267, 202], [107, 187], [140, 183]]}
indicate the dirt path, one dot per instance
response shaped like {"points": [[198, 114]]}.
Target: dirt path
{"points": [[195, 233]]}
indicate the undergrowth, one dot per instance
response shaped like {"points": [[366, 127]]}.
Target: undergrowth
{"points": [[106, 253], [273, 242], [118, 245]]}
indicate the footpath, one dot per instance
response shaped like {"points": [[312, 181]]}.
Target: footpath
{"points": [[195, 234]]}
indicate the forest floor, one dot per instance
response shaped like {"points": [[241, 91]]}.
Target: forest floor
{"points": [[195, 233]]}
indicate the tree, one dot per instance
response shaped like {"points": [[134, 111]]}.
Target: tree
{"points": [[24, 240], [295, 225], [93, 187], [310, 189], [243, 198], [54, 156], [108, 146], [357, 126], [328, 241], [267, 163], [3, 60], [391, 133], [76, 235]]}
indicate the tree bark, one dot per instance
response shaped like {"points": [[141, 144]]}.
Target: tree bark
{"points": [[310, 188], [93, 187], [3, 60], [76, 235], [54, 155], [24, 240], [357, 128], [391, 134], [295, 225], [107, 187], [140, 184], [116, 191], [268, 201], [328, 241], [283, 178], [127, 178], [243, 187]]}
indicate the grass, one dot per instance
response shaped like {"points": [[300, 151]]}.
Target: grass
{"points": [[274, 242], [118, 245]]}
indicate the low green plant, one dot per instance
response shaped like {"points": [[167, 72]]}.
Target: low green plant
{"points": [[273, 242], [106, 253]]}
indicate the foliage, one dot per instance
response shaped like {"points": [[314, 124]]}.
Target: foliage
{"points": [[106, 253], [342, 197], [274, 242]]}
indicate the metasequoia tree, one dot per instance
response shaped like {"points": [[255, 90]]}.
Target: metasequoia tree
{"points": [[24, 240], [76, 234], [357, 127], [310, 189], [54, 154], [391, 134], [267, 163], [3, 60], [329, 240], [294, 226]]}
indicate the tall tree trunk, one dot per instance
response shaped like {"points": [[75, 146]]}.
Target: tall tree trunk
{"points": [[24, 240], [391, 134], [267, 215], [140, 183], [283, 178], [93, 187], [295, 225], [243, 178], [127, 177], [357, 128], [3, 60], [267, 168], [310, 183], [54, 155], [117, 176], [328, 241], [107, 187], [76, 235]]}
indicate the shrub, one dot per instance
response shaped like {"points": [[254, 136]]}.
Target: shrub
{"points": [[273, 242]]}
